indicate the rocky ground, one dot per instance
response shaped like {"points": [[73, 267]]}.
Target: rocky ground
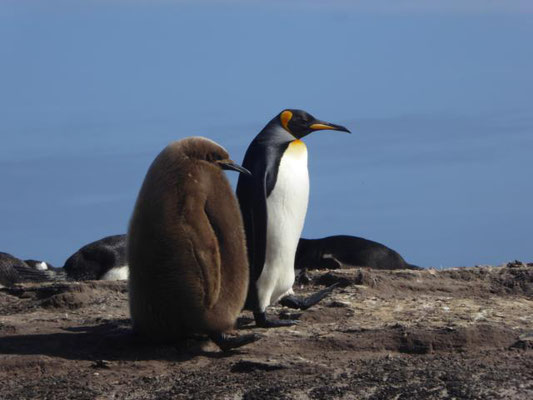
{"points": [[464, 333]]}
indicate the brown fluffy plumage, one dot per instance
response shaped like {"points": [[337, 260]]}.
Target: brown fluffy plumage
{"points": [[186, 245]]}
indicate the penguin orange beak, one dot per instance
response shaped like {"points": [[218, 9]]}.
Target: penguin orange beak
{"points": [[231, 165], [321, 125]]}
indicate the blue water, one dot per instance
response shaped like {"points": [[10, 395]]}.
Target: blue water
{"points": [[438, 166], [440, 191]]}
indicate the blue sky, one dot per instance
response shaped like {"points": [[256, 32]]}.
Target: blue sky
{"points": [[437, 95]]}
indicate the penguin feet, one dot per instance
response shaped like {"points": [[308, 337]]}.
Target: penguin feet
{"points": [[227, 342], [303, 303], [262, 321]]}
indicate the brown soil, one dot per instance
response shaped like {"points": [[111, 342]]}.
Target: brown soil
{"points": [[458, 333]]}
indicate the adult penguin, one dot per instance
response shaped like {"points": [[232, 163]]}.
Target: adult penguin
{"points": [[14, 270], [103, 259], [53, 273], [273, 203], [186, 247], [343, 251]]}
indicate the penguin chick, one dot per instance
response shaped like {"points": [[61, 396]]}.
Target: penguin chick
{"points": [[186, 247], [273, 202]]}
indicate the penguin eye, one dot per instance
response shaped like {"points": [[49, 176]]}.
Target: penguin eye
{"points": [[302, 122], [212, 157]]}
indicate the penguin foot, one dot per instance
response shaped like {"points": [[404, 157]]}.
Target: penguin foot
{"points": [[226, 342], [262, 321], [303, 303]]}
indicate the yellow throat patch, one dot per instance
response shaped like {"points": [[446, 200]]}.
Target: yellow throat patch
{"points": [[297, 148]]}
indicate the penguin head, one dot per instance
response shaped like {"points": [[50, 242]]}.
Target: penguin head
{"points": [[300, 123], [200, 148]]}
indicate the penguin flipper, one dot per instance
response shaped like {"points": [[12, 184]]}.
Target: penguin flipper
{"points": [[251, 193], [260, 219], [205, 251]]}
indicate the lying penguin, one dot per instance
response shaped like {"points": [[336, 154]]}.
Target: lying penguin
{"points": [[347, 251], [14, 270], [103, 259], [53, 273], [186, 247]]}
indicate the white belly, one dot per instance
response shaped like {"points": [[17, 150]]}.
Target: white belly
{"points": [[116, 274], [286, 209]]}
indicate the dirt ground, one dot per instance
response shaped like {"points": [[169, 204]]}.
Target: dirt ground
{"points": [[463, 333]]}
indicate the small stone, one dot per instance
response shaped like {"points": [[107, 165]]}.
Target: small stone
{"points": [[339, 304], [289, 315], [101, 364]]}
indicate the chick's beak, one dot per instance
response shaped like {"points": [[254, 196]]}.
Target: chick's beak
{"points": [[231, 165]]}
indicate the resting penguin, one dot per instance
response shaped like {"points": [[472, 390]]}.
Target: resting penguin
{"points": [[273, 202], [103, 259], [14, 270], [186, 247], [53, 273], [342, 250]]}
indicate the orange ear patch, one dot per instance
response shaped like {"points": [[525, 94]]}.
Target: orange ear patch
{"points": [[285, 117]]}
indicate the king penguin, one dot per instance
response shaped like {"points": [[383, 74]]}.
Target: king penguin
{"points": [[343, 251], [186, 247], [53, 273], [103, 259], [14, 270], [273, 203]]}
